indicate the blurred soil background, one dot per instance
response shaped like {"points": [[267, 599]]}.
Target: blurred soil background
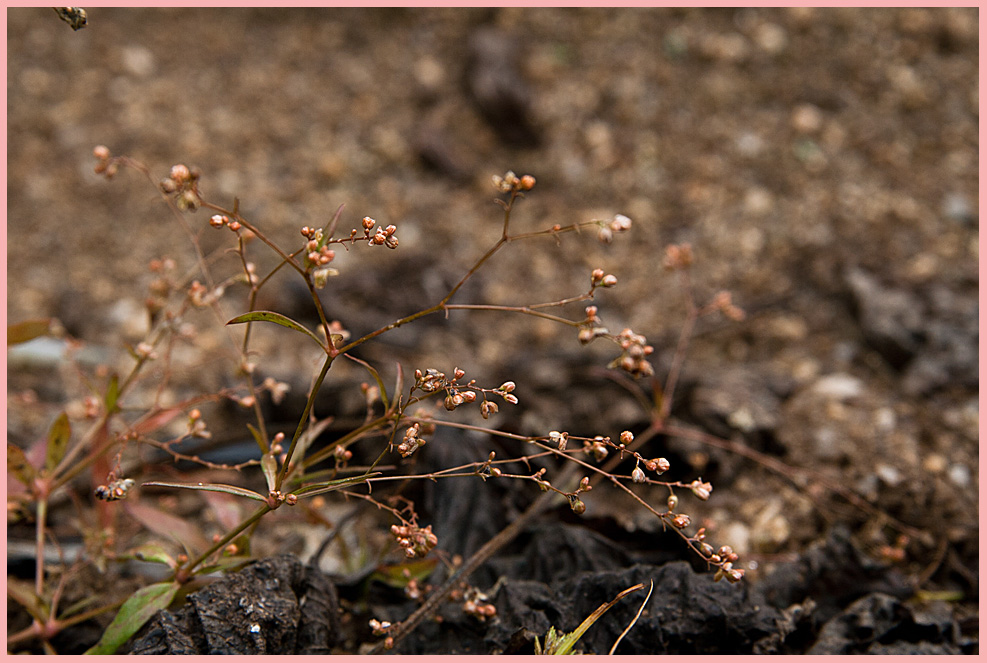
{"points": [[823, 164]]}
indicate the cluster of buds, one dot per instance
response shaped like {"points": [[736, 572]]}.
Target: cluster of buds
{"points": [[457, 394], [380, 236], [201, 296], [591, 327], [723, 303], [597, 447], [511, 183], [379, 627], [618, 224], [342, 454], [116, 490], [474, 604], [416, 541], [411, 442], [599, 278], [276, 389], [223, 221], [701, 489], [678, 256], [560, 439], [182, 182], [725, 557], [317, 252], [276, 498], [107, 165], [197, 426], [145, 351], [632, 358]]}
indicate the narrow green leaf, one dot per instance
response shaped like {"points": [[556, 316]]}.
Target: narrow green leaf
{"points": [[134, 613], [22, 332], [22, 591], [269, 464], [257, 437], [112, 394], [329, 486], [58, 441], [18, 465], [152, 552], [276, 318], [215, 487]]}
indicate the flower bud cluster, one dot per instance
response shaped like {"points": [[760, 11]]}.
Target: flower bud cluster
{"points": [[701, 489], [511, 183], [411, 442], [196, 426], [379, 236], [456, 394], [278, 390], [378, 627], [416, 541], [474, 604], [678, 256], [559, 438], [618, 224], [201, 296], [597, 447], [591, 327], [182, 182], [632, 360], [106, 166], [599, 278], [724, 304], [116, 490]]}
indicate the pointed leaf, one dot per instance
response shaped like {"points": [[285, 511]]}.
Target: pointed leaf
{"points": [[329, 486], [134, 613], [58, 441], [22, 332], [215, 487], [257, 438], [18, 465], [22, 591], [269, 464], [276, 318], [185, 532], [152, 552], [112, 394]]}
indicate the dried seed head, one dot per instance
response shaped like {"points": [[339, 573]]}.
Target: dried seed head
{"points": [[626, 437], [637, 476], [620, 223], [701, 489], [681, 521], [180, 173]]}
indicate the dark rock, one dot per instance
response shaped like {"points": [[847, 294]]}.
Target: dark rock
{"points": [[273, 606]]}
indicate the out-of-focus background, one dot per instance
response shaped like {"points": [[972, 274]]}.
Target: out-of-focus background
{"points": [[823, 164]]}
